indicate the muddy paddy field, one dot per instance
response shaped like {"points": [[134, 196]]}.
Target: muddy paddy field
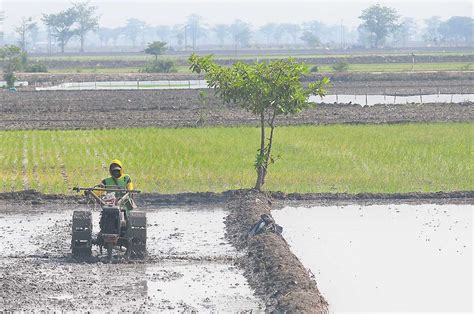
{"points": [[190, 265], [173, 108], [370, 253]]}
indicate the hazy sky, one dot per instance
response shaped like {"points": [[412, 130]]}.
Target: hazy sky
{"points": [[115, 12]]}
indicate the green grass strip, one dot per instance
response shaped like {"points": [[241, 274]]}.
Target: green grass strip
{"points": [[335, 158]]}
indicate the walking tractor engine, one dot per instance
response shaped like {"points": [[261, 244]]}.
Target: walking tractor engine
{"points": [[121, 226]]}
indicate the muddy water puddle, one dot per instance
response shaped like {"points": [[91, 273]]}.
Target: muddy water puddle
{"points": [[190, 267], [386, 258]]}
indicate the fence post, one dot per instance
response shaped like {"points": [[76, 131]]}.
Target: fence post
{"points": [[395, 98], [189, 84], [337, 99], [366, 102], [169, 84], [421, 97], [138, 84]]}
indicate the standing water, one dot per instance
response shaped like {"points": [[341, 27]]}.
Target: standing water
{"points": [[386, 258]]}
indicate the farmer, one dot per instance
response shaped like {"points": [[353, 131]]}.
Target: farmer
{"points": [[118, 180]]}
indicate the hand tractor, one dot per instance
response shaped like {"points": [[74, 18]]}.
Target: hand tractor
{"points": [[119, 227]]}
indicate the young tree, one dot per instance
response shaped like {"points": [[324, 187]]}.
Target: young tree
{"points": [[156, 48], [61, 26], [11, 57], [24, 30], [380, 22], [86, 20], [264, 89], [240, 32]]}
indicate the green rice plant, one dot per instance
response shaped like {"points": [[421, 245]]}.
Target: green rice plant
{"points": [[333, 158]]}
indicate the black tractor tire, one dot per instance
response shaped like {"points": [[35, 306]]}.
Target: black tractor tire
{"points": [[136, 235], [81, 241], [109, 251]]}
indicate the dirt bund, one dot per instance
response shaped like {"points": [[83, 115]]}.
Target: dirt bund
{"points": [[33, 197], [273, 271]]}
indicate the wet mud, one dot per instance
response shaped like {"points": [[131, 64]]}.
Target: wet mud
{"points": [[182, 108], [199, 257], [190, 266]]}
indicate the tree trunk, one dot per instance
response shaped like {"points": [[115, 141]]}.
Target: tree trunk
{"points": [[261, 168]]}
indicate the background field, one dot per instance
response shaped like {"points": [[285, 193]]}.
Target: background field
{"points": [[337, 158], [375, 67]]}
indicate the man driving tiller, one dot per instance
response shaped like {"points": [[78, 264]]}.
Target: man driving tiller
{"points": [[118, 180], [119, 225]]}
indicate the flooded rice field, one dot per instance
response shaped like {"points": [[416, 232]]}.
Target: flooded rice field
{"points": [[371, 100], [190, 266], [403, 258], [361, 99], [127, 85]]}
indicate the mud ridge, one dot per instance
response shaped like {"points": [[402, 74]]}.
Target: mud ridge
{"points": [[33, 197], [272, 270]]}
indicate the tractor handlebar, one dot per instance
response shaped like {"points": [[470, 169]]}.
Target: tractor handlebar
{"points": [[78, 189]]}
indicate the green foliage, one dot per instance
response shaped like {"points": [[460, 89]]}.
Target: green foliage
{"points": [[379, 22], [266, 89], [12, 58], [86, 19], [61, 25], [340, 66], [334, 158], [156, 48], [36, 66], [314, 69], [159, 66]]}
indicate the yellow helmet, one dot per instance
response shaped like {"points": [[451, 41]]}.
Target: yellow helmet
{"points": [[114, 164]]}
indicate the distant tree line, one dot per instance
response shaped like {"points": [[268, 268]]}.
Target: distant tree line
{"points": [[380, 27]]}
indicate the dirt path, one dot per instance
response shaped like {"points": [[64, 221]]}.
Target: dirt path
{"points": [[114, 109], [190, 266]]}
